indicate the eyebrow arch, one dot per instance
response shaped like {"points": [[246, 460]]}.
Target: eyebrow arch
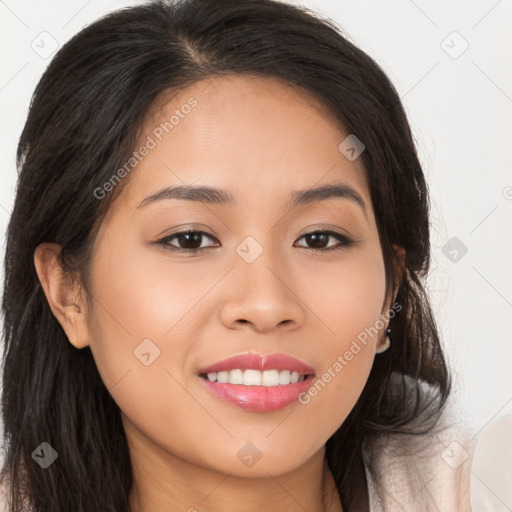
{"points": [[333, 190], [217, 196], [204, 194]]}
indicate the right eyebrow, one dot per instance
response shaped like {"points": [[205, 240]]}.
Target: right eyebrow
{"points": [[322, 193]]}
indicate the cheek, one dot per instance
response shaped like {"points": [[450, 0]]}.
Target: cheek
{"points": [[144, 294], [348, 302], [136, 305], [138, 309], [347, 295]]}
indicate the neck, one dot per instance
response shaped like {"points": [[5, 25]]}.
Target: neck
{"points": [[165, 482]]}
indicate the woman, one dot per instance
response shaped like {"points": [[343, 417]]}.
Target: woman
{"points": [[213, 296]]}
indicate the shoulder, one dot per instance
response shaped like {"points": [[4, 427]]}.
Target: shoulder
{"points": [[3, 496], [423, 472], [491, 471]]}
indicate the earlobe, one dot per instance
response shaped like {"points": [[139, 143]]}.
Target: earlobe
{"points": [[59, 291], [400, 252], [400, 269], [385, 344]]}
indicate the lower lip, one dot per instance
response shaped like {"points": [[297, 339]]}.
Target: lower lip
{"points": [[259, 398]]}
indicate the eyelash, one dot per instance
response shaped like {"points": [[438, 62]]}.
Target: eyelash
{"points": [[345, 241]]}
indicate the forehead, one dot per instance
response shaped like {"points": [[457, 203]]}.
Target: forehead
{"points": [[251, 135]]}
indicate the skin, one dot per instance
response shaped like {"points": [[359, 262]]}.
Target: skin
{"points": [[259, 139]]}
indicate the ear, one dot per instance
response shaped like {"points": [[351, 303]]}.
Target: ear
{"points": [[382, 344], [62, 295], [400, 252]]}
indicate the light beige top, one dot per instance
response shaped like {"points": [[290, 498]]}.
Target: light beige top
{"points": [[450, 470], [426, 473]]}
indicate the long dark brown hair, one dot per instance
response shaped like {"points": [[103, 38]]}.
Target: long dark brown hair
{"points": [[83, 125]]}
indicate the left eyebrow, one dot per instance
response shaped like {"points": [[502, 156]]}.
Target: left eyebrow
{"points": [[204, 194], [218, 196]]}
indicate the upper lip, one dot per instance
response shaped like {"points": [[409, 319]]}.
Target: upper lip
{"points": [[261, 362]]}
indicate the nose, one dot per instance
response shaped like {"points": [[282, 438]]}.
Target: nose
{"points": [[263, 296]]}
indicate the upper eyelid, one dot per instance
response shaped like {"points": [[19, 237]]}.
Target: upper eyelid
{"points": [[186, 231], [202, 232]]}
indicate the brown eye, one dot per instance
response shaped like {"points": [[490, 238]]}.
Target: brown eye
{"points": [[186, 241], [318, 240]]}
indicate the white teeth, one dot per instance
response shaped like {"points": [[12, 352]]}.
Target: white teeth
{"points": [[270, 378], [284, 377], [222, 377], [267, 378], [236, 377], [252, 378]]}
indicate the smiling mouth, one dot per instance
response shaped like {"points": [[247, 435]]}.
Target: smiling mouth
{"points": [[249, 377]]}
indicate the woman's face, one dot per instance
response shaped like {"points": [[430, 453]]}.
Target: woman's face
{"points": [[259, 285]]}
